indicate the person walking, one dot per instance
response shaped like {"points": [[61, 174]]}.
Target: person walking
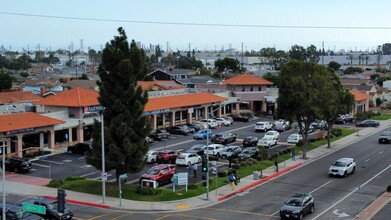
{"points": [[195, 166], [232, 179], [276, 165], [229, 161], [293, 155]]}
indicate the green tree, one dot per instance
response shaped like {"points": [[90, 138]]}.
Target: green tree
{"points": [[125, 126], [227, 64], [386, 49], [312, 54], [6, 80], [272, 78], [334, 65], [301, 90], [298, 53]]}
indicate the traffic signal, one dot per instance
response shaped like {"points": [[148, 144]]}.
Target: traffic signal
{"points": [[204, 166], [61, 194]]}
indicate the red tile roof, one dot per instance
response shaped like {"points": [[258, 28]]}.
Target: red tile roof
{"points": [[247, 79], [77, 97], [11, 122], [18, 96], [359, 96], [181, 101]]}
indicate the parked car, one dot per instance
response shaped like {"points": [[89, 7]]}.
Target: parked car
{"points": [[197, 149], [16, 212], [148, 140], [231, 151], [187, 128], [214, 149], [150, 157], [343, 118], [161, 174], [273, 134], [319, 124], [294, 138], [166, 156], [224, 138], [250, 141], [298, 206], [202, 134], [248, 152], [196, 126], [368, 123], [188, 158], [159, 134], [210, 122], [177, 130], [310, 129], [342, 167], [51, 208], [223, 121], [281, 125], [238, 117], [18, 164], [80, 148], [266, 142], [229, 118], [385, 137], [263, 126]]}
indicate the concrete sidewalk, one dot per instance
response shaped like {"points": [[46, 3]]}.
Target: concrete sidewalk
{"points": [[215, 196]]}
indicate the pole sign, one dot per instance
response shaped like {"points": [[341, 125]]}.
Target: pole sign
{"points": [[96, 108], [34, 208], [182, 179]]}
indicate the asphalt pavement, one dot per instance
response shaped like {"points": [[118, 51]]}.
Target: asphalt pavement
{"points": [[36, 187]]}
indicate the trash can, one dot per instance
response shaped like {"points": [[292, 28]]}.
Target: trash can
{"points": [[255, 175]]}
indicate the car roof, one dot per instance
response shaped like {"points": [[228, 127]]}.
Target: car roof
{"points": [[41, 200], [344, 159], [186, 154], [215, 145], [386, 133]]}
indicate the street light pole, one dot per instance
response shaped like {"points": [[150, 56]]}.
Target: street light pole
{"points": [[3, 176], [103, 159], [207, 155]]}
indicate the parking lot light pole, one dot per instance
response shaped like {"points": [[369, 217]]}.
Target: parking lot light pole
{"points": [[103, 159], [3, 176]]}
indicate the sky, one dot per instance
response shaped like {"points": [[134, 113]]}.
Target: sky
{"points": [[203, 24]]}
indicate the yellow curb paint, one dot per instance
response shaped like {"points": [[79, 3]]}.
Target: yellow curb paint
{"points": [[183, 206]]}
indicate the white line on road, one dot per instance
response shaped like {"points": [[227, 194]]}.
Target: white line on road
{"points": [[50, 161], [41, 165], [367, 160], [380, 152], [320, 187], [352, 192], [88, 174]]}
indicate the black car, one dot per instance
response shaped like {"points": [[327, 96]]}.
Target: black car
{"points": [[80, 148], [368, 123], [385, 137], [51, 209], [177, 130], [224, 138], [159, 134], [187, 128], [298, 206], [342, 119], [250, 141], [248, 152], [18, 164], [17, 213], [197, 149], [240, 118], [195, 126]]}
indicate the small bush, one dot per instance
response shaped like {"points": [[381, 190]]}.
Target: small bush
{"points": [[300, 143], [149, 191], [234, 171], [336, 131], [262, 155], [252, 161], [236, 166], [192, 186], [221, 173], [389, 188], [55, 183], [213, 158], [275, 155], [72, 178], [281, 153]]}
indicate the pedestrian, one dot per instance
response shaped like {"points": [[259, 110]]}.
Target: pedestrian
{"points": [[293, 155], [229, 161], [276, 165], [195, 166], [190, 168], [232, 179]]}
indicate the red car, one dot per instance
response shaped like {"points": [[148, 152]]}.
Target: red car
{"points": [[166, 156], [161, 174]]}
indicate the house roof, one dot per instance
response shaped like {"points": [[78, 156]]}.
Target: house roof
{"points": [[77, 97], [199, 80], [11, 122], [87, 84], [41, 83], [18, 96], [247, 79], [173, 71], [163, 84], [362, 88], [181, 101], [360, 96], [354, 81]]}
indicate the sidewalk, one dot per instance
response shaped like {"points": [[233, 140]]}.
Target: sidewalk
{"points": [[215, 196]]}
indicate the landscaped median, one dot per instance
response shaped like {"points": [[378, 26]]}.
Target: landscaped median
{"points": [[134, 192]]}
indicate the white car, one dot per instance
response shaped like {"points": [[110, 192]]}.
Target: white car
{"points": [[223, 121], [210, 122], [263, 126], [342, 167], [151, 156], [266, 142], [294, 138], [187, 158], [273, 134], [214, 149]]}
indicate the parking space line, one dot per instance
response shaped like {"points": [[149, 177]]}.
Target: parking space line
{"points": [[50, 161], [88, 174], [40, 165]]}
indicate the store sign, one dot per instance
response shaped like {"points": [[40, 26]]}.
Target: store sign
{"points": [[24, 130], [160, 111]]}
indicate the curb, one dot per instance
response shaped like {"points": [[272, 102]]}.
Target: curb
{"points": [[80, 202], [259, 182]]}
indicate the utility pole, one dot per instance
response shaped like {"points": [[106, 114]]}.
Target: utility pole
{"points": [[242, 53], [322, 54]]}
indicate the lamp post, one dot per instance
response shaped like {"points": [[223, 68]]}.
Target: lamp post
{"points": [[104, 176], [3, 176]]}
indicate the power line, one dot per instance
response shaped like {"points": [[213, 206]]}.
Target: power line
{"points": [[202, 24]]}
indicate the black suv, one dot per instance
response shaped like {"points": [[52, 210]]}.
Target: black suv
{"points": [[80, 148], [16, 212], [18, 164], [298, 206], [250, 141], [51, 209], [158, 135], [224, 138], [385, 137]]}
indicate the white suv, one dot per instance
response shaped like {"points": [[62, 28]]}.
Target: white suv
{"points": [[214, 149], [342, 167], [211, 122], [263, 126]]}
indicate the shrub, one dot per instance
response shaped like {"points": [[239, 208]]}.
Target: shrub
{"points": [[275, 155], [72, 178], [262, 155], [192, 186], [55, 183], [234, 171], [213, 158], [252, 161], [364, 115], [336, 131], [149, 191], [300, 143], [236, 166], [221, 173], [281, 153]]}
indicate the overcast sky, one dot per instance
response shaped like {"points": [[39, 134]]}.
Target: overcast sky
{"points": [[205, 24]]}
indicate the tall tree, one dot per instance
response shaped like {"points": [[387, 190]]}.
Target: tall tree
{"points": [[334, 65], [301, 88], [6, 80], [386, 49], [125, 127], [298, 53], [312, 54]]}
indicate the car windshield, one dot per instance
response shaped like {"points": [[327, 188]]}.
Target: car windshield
{"points": [[340, 164], [181, 157], [269, 133], [152, 171], [52, 205], [294, 202], [195, 148], [247, 151], [387, 133], [229, 149], [218, 136], [265, 139], [22, 214], [211, 148]]}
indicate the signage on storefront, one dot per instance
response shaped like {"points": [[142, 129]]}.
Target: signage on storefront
{"points": [[24, 130], [160, 111]]}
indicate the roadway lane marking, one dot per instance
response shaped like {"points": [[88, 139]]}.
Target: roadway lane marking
{"points": [[80, 158], [367, 160], [185, 216], [40, 165], [127, 214], [378, 174], [88, 174], [243, 212], [50, 161], [101, 216], [380, 152]]}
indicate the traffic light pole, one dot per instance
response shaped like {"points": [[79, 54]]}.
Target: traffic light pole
{"points": [[207, 156]]}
